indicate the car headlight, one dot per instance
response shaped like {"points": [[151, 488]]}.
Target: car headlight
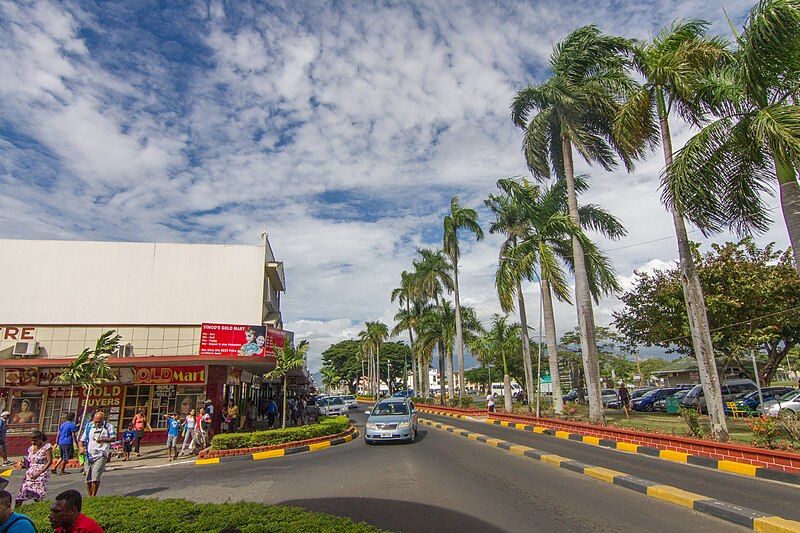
{"points": [[404, 425], [371, 425]]}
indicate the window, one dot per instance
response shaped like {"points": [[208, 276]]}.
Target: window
{"points": [[189, 397], [163, 403], [57, 405], [136, 397]]}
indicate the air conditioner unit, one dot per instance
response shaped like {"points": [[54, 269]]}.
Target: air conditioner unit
{"points": [[125, 350], [26, 349]]}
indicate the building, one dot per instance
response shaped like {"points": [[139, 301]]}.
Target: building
{"points": [[683, 371], [197, 322]]}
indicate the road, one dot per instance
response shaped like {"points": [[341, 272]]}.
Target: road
{"points": [[441, 483]]}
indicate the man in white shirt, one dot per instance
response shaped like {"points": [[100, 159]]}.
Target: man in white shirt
{"points": [[490, 402], [95, 442]]}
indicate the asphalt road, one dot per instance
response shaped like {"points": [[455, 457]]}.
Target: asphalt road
{"points": [[441, 483]]}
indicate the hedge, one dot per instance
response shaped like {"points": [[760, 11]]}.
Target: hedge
{"points": [[128, 513], [325, 426]]}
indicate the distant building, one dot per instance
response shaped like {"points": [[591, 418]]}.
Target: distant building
{"points": [[683, 371]]}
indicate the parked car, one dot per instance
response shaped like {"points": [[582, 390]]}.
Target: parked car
{"points": [[787, 405], [333, 406], [661, 405], [641, 391], [695, 398], [647, 401], [403, 394], [571, 396], [351, 401], [751, 400], [610, 396], [392, 419]]}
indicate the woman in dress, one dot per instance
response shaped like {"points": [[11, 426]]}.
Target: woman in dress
{"points": [[37, 462]]}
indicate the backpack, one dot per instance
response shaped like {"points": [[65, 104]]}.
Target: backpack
{"points": [[14, 520]]}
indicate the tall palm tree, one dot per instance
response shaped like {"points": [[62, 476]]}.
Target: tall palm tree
{"points": [[543, 242], [432, 275], [408, 319], [378, 332], [502, 339], [575, 108], [672, 65], [405, 294], [367, 351], [287, 358], [330, 378], [718, 176], [460, 218]]}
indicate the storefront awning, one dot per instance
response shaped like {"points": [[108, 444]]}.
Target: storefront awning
{"points": [[255, 365]]}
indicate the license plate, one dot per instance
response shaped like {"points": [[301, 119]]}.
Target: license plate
{"points": [[385, 434]]}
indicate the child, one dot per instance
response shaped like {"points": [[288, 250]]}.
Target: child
{"points": [[173, 430], [128, 436]]}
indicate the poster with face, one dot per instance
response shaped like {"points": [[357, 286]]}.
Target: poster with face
{"points": [[235, 340], [25, 410], [22, 377]]}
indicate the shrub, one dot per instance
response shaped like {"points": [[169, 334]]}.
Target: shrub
{"points": [[791, 423], [117, 513], [422, 400], [765, 430], [466, 402], [692, 419], [326, 426]]}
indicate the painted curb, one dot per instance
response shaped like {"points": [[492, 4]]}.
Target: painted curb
{"points": [[280, 452], [724, 465], [755, 520]]}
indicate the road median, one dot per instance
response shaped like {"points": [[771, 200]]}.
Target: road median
{"points": [[751, 518]]}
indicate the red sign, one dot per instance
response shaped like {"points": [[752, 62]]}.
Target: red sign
{"points": [[234, 340], [169, 375]]}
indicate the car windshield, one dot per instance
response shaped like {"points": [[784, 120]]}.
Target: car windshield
{"points": [[650, 393], [336, 401], [390, 408], [789, 395], [322, 401], [680, 394]]}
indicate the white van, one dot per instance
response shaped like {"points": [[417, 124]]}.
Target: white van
{"points": [[499, 390]]}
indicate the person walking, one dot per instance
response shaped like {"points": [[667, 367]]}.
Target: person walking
{"points": [[38, 460], [66, 515], [231, 415], [140, 424], [66, 442], [128, 436], [189, 423], [3, 431], [209, 407], [173, 430], [11, 522], [624, 398], [205, 430], [96, 443], [251, 415], [272, 413], [490, 402]]}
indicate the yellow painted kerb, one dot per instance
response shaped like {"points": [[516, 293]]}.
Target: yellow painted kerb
{"points": [[519, 449], [319, 446], [269, 454], [674, 495], [562, 434], [670, 455], [775, 524], [552, 459], [493, 442], [738, 468], [591, 440], [603, 474], [211, 461], [627, 447], [7, 473], [538, 429]]}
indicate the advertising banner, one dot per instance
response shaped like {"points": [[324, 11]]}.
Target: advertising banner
{"points": [[236, 340], [170, 375]]}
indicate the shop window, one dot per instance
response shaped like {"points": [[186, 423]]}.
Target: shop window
{"points": [[136, 397], [57, 405], [26, 408], [163, 403], [189, 397]]}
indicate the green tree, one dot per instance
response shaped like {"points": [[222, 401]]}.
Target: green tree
{"points": [[672, 64], [330, 378], [287, 359], [751, 293], [460, 218], [91, 368], [718, 176], [406, 318], [575, 108], [345, 359]]}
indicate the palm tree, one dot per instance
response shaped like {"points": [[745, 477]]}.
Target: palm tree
{"points": [[542, 239], [459, 218], [502, 339], [717, 178], [672, 65], [365, 345], [405, 294], [432, 275], [330, 378], [287, 359], [91, 368], [378, 332], [576, 107]]}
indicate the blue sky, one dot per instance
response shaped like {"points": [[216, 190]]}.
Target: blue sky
{"points": [[345, 127]]}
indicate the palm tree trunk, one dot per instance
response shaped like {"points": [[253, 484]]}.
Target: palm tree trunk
{"points": [[695, 303], [442, 357], [378, 371], [86, 406], [790, 205], [459, 337], [506, 386], [583, 298], [552, 346], [414, 382], [283, 408], [448, 363], [526, 344]]}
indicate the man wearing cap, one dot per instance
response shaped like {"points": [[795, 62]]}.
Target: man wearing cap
{"points": [[3, 430]]}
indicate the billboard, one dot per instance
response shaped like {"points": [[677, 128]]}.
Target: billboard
{"points": [[236, 340]]}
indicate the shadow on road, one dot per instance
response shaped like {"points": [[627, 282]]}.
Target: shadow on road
{"points": [[146, 492], [396, 515]]}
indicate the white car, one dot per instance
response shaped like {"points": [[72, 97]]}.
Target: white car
{"points": [[351, 401], [333, 406], [786, 405]]}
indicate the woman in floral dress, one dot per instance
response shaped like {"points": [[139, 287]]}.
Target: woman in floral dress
{"points": [[38, 462]]}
